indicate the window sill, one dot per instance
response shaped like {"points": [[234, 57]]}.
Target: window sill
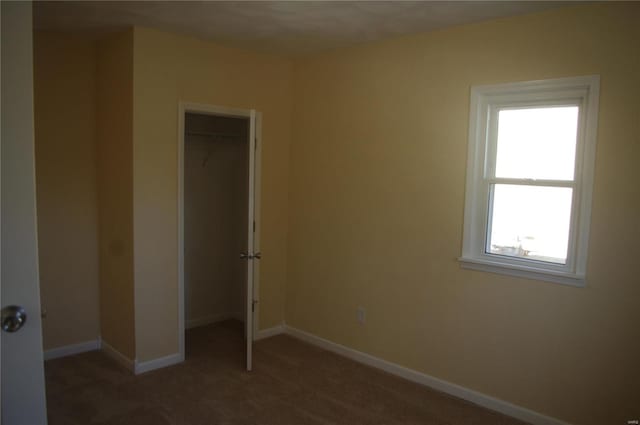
{"points": [[522, 271]]}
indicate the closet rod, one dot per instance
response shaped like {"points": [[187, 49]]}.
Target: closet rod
{"points": [[204, 133]]}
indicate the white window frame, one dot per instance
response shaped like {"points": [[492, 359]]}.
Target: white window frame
{"points": [[486, 101]]}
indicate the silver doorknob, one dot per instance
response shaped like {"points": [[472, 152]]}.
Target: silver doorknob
{"points": [[13, 318], [245, 256]]}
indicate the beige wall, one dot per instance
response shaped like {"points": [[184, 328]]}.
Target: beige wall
{"points": [[378, 164], [364, 207], [115, 189], [65, 131], [167, 69], [215, 218]]}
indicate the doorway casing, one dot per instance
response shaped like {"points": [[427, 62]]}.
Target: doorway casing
{"points": [[251, 299]]}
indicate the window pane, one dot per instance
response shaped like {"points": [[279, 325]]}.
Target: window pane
{"points": [[530, 222], [537, 143]]}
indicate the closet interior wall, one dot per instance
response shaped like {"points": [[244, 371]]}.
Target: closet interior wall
{"points": [[215, 214]]}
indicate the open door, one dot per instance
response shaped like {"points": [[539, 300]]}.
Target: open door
{"points": [[23, 391], [252, 255], [251, 242]]}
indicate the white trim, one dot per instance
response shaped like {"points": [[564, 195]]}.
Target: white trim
{"points": [[72, 349], [581, 91], [521, 271], [148, 366], [252, 115], [208, 320], [455, 390], [269, 332], [536, 86], [249, 305], [118, 356], [215, 110], [257, 192]]}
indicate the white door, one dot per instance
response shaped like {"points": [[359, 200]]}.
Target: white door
{"points": [[252, 254], [23, 392]]}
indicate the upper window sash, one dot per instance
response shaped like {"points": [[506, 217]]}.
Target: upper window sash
{"points": [[491, 132]]}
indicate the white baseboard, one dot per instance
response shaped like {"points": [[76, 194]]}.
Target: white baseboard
{"points": [[455, 390], [208, 320], [475, 397], [118, 356], [266, 333], [72, 349], [142, 367]]}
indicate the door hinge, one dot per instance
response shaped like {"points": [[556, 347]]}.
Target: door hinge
{"points": [[254, 226], [255, 144], [253, 306]]}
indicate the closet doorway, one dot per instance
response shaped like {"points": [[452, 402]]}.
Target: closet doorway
{"points": [[218, 189]]}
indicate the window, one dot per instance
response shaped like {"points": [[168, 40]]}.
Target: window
{"points": [[529, 178]]}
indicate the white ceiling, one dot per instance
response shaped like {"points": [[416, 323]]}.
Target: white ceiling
{"points": [[281, 27]]}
